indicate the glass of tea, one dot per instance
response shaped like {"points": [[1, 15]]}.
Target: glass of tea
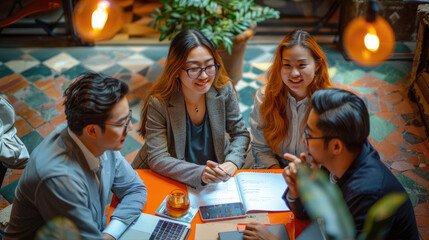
{"points": [[177, 203]]}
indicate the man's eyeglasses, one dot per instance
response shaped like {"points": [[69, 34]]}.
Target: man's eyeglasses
{"points": [[126, 124], [307, 137], [195, 72]]}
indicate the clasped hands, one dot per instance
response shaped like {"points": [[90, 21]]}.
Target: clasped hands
{"points": [[215, 172]]}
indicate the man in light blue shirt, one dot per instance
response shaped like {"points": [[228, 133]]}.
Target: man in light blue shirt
{"points": [[71, 173]]}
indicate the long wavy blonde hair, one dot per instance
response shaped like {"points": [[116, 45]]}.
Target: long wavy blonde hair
{"points": [[168, 82], [273, 108]]}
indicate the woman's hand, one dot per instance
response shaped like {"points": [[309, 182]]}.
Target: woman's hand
{"points": [[229, 168], [212, 173]]}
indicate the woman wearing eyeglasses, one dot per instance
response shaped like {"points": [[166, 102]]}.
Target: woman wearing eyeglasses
{"points": [[281, 107], [187, 114]]}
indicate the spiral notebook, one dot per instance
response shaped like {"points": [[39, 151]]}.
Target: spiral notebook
{"points": [[258, 191]]}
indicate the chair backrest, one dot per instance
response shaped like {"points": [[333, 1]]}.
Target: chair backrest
{"points": [[3, 170]]}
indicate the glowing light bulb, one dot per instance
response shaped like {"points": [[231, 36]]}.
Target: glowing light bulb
{"points": [[369, 43], [99, 18], [96, 20], [372, 42]]}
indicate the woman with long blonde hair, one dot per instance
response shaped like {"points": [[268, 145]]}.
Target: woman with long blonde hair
{"points": [[187, 114], [281, 107]]}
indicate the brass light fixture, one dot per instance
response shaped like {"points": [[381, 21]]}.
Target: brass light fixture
{"points": [[369, 40], [96, 20]]}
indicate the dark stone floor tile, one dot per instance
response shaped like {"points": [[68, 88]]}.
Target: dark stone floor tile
{"points": [[5, 71], [43, 54], [144, 71], [257, 71], [380, 128], [249, 80], [245, 95], [412, 139], [155, 52], [247, 67], [80, 53], [421, 173], [31, 140], [113, 70], [130, 145], [36, 97], [40, 71], [75, 71], [252, 52], [8, 54], [401, 48]]}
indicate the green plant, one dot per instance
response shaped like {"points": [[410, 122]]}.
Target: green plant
{"points": [[325, 204], [219, 20]]}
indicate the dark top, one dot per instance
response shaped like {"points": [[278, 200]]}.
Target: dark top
{"points": [[199, 141], [364, 183]]}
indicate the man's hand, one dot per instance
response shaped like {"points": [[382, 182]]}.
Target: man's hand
{"points": [[289, 173], [213, 173], [107, 236], [258, 231]]}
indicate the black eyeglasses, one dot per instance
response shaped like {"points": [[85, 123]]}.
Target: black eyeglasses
{"points": [[126, 124], [307, 137], [195, 72]]}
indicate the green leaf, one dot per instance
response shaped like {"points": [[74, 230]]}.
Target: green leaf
{"points": [[226, 17], [153, 15], [380, 214], [324, 200], [175, 15], [163, 36], [59, 228], [167, 7], [163, 28]]}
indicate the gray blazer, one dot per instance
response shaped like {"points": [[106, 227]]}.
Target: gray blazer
{"points": [[164, 150], [57, 181]]}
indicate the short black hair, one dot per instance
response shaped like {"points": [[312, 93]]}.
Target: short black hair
{"points": [[89, 99], [342, 114]]}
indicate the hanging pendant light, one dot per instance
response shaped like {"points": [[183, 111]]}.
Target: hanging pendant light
{"points": [[369, 40], [96, 20]]}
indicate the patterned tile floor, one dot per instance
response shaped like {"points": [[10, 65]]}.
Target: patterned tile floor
{"points": [[34, 78]]}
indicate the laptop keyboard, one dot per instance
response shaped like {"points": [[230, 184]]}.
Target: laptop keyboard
{"points": [[167, 230]]}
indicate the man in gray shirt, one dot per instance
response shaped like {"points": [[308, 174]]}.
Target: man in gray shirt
{"points": [[71, 173]]}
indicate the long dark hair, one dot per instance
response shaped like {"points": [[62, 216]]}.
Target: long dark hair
{"points": [[168, 82]]}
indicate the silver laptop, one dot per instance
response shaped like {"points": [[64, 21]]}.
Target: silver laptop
{"points": [[150, 227]]}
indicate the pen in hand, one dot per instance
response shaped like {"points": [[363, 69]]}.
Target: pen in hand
{"points": [[223, 170]]}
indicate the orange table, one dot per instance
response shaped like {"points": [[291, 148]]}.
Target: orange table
{"points": [[158, 187]]}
